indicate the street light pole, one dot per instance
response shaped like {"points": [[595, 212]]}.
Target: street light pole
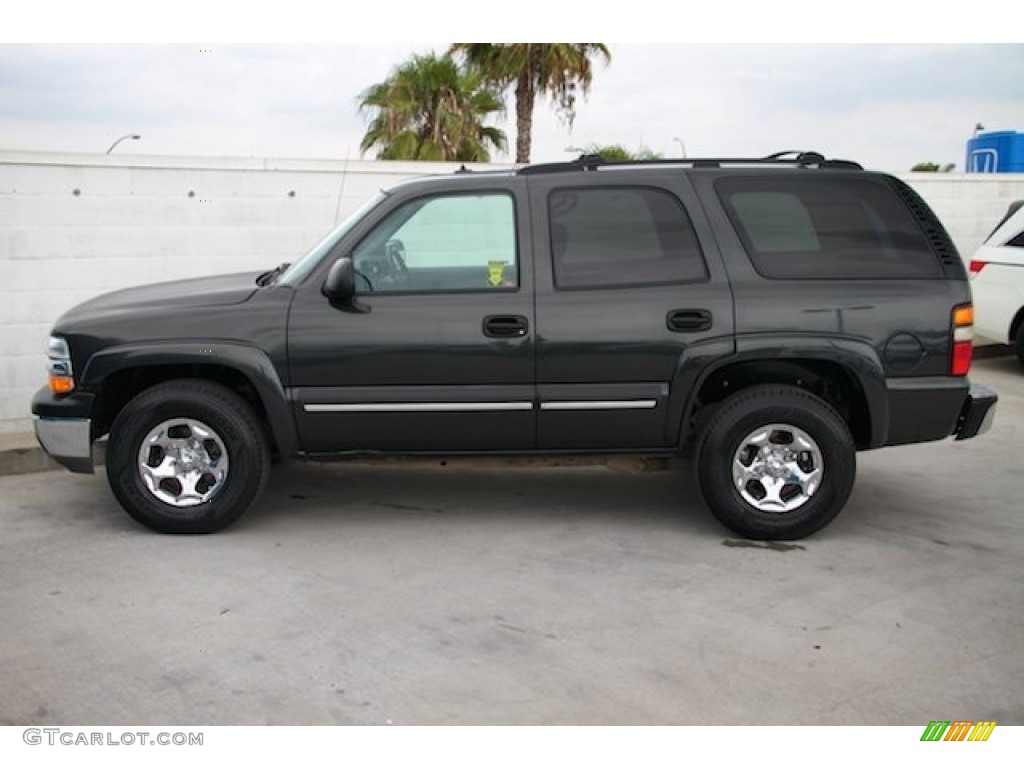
{"points": [[126, 136], [682, 147]]}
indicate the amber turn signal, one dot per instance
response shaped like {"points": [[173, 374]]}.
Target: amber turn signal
{"points": [[963, 315], [963, 340], [61, 384]]}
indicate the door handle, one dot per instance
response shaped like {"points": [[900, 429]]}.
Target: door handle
{"points": [[505, 326], [688, 320]]}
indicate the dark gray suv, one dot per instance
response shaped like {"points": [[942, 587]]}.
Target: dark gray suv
{"points": [[770, 316]]}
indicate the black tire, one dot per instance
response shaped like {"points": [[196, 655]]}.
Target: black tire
{"points": [[1020, 344], [726, 440], [204, 404]]}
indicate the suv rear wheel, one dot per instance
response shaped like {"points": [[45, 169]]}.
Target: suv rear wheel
{"points": [[776, 462], [187, 456]]}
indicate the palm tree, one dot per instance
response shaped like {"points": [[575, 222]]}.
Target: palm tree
{"points": [[557, 70], [619, 152], [431, 109]]}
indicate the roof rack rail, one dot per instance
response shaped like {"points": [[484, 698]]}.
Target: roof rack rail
{"points": [[797, 158]]}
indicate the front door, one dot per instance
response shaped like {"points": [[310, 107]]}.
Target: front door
{"points": [[440, 355]]}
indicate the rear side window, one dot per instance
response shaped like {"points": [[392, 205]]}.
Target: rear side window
{"points": [[603, 237], [822, 228]]}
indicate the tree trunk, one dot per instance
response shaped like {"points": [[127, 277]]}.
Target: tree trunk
{"points": [[524, 117]]}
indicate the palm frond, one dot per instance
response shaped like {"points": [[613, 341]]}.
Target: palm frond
{"points": [[444, 106]]}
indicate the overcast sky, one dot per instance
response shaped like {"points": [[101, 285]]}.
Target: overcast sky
{"points": [[887, 106]]}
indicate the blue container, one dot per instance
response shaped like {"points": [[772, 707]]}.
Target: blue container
{"points": [[996, 152]]}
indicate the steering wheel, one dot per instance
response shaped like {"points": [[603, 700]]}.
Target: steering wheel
{"points": [[363, 284], [394, 254], [385, 267]]}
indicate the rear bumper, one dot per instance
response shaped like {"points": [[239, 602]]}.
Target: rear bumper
{"points": [[922, 409], [64, 428], [977, 414]]}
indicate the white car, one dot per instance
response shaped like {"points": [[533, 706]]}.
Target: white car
{"points": [[997, 282]]}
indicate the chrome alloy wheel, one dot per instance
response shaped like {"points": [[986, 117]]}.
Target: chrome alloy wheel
{"points": [[183, 462], [777, 468]]}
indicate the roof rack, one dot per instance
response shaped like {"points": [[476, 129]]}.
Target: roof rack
{"points": [[796, 158]]}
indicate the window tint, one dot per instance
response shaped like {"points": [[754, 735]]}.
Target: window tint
{"points": [[1016, 241], [602, 237], [826, 228], [776, 222], [451, 243]]}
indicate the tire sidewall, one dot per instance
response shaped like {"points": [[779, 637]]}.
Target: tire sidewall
{"points": [[223, 416], [747, 413]]}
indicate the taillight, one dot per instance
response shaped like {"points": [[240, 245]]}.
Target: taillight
{"points": [[976, 266], [963, 340]]}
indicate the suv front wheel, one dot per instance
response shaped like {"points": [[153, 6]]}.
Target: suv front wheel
{"points": [[187, 456], [776, 462]]}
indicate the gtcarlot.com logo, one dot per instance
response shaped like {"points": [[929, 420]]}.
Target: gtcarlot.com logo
{"points": [[59, 736], [958, 730]]}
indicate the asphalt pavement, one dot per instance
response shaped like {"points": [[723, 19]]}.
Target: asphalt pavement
{"points": [[577, 595]]}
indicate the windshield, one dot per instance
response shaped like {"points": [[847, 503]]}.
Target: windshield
{"points": [[303, 266]]}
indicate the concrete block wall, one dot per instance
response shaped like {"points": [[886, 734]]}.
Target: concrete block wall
{"points": [[134, 221], [74, 226], [968, 204]]}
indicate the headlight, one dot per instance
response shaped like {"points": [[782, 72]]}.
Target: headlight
{"points": [[59, 365]]}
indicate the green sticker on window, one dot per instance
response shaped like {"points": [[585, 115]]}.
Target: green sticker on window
{"points": [[496, 272]]}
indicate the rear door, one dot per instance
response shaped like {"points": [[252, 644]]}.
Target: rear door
{"points": [[629, 287]]}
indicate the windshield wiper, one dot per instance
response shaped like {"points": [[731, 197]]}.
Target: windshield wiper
{"points": [[268, 277]]}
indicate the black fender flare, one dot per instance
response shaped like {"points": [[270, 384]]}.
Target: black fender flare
{"points": [[248, 361], [858, 358]]}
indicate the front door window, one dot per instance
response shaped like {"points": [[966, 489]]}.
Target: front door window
{"points": [[447, 243]]}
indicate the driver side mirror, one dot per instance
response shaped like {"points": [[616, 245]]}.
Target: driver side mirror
{"points": [[340, 286]]}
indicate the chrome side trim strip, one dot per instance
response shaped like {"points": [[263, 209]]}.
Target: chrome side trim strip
{"points": [[597, 405], [412, 407], [553, 405]]}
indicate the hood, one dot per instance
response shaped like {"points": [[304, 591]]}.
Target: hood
{"points": [[220, 290]]}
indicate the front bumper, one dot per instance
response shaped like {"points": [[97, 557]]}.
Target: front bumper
{"points": [[64, 428], [67, 441], [977, 414]]}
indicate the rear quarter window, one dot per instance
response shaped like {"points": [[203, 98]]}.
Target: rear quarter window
{"points": [[1017, 241], [826, 228]]}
